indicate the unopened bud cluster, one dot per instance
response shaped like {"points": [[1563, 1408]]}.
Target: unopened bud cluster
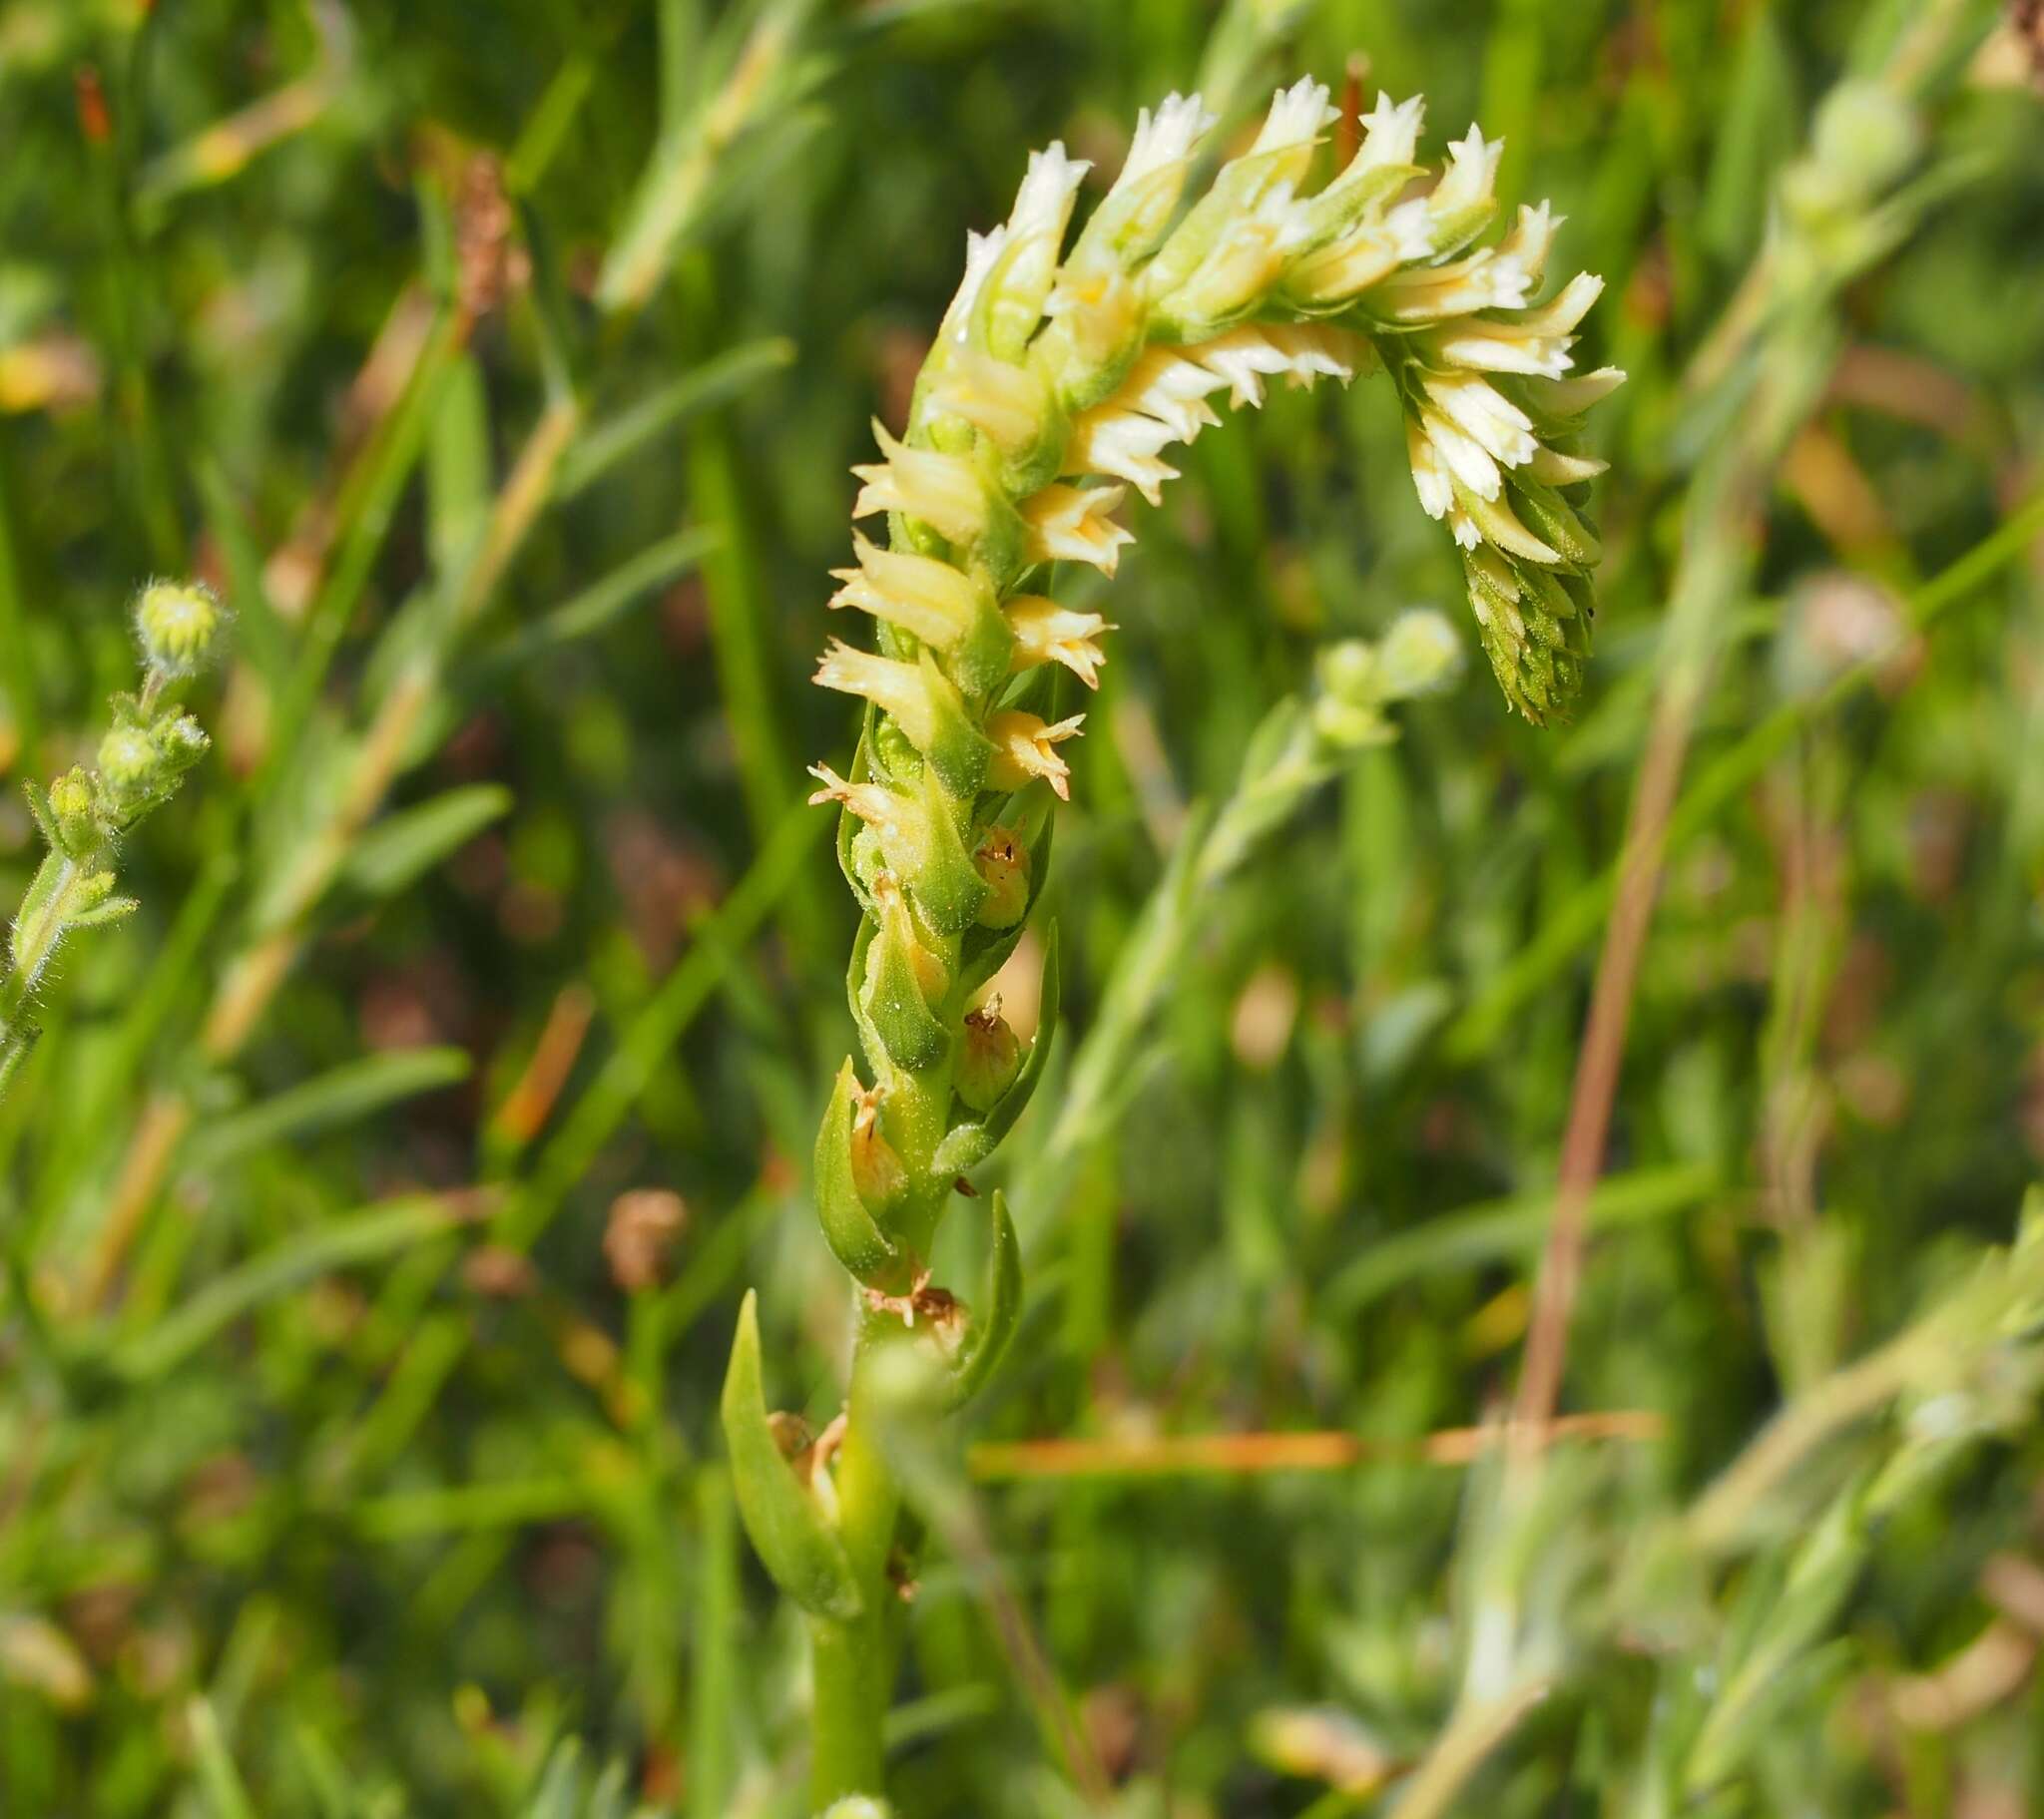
{"points": [[140, 762]]}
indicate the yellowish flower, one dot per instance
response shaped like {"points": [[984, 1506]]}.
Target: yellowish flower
{"points": [[1026, 749], [1046, 633]]}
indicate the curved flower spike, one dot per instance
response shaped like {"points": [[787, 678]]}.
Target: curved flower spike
{"points": [[1059, 380]]}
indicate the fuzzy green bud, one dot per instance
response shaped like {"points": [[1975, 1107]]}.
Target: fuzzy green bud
{"points": [[179, 742], [1865, 136], [989, 1058], [1003, 863], [180, 626], [1349, 711], [127, 759], [73, 812], [90, 892], [1421, 655]]}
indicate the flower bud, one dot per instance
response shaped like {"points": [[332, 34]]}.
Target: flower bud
{"points": [[73, 812], [1003, 863], [89, 893], [1011, 303], [180, 624], [1349, 711], [180, 742], [1129, 223], [988, 1058], [1420, 656], [1865, 136], [127, 759]]}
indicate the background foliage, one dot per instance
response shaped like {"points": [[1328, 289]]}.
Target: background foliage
{"points": [[502, 365]]}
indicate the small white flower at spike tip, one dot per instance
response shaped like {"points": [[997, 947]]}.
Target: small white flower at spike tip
{"points": [[1490, 279], [1571, 397], [1292, 129], [1470, 180], [1043, 205], [1070, 524], [1144, 200], [919, 594], [1164, 140], [1029, 261], [982, 253], [1535, 342], [944, 491], [1025, 749], [1046, 633], [1390, 138]]}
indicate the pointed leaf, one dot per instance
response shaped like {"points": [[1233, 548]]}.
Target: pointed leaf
{"points": [[405, 846], [994, 1323], [897, 1012], [113, 909], [343, 1096], [798, 1546]]}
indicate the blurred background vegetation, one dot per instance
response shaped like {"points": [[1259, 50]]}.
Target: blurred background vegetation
{"points": [[376, 1206]]}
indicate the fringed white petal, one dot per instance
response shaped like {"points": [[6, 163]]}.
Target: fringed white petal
{"points": [[1571, 397], [1296, 116], [1124, 445], [1165, 137], [1481, 411], [1067, 524], [1046, 633], [1043, 205]]}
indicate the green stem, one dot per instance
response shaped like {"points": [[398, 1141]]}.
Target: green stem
{"points": [[852, 1664], [850, 1700]]}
